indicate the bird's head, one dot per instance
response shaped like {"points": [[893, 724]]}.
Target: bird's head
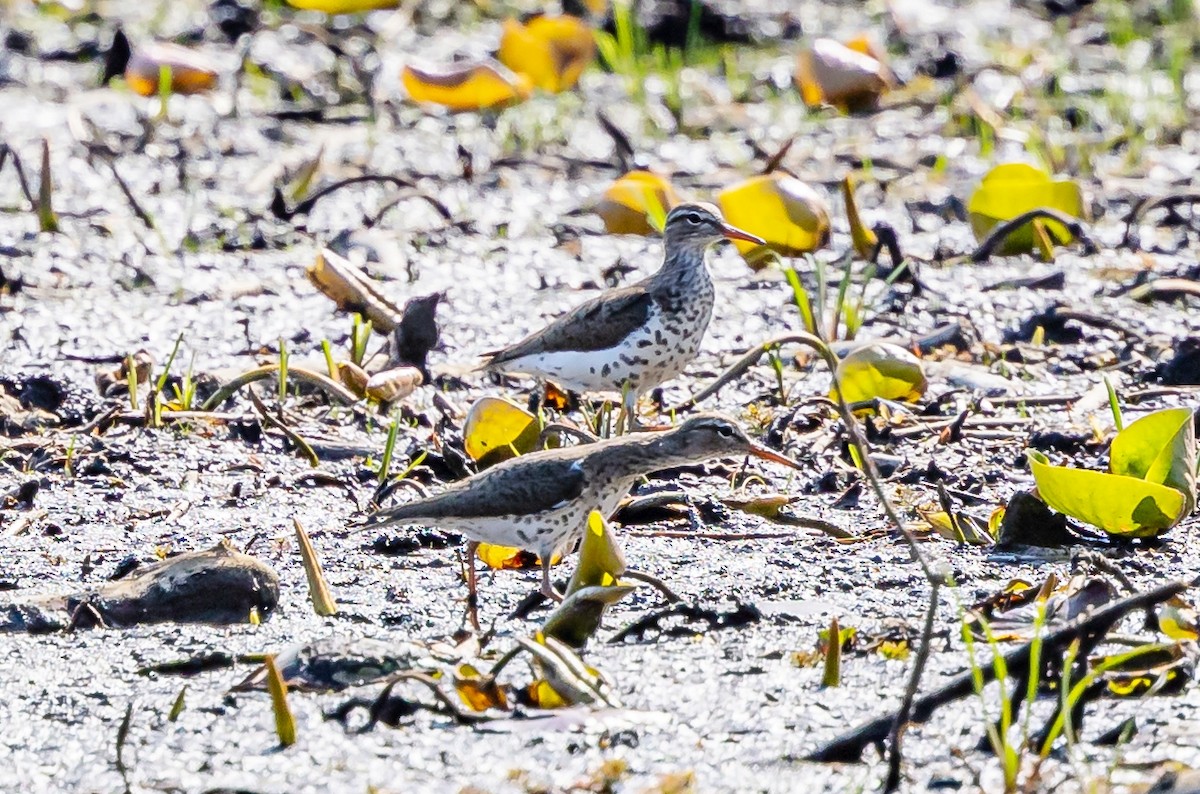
{"points": [[697, 226], [708, 436]]}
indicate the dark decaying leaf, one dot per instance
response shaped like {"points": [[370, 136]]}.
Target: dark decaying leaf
{"points": [[1011, 614]]}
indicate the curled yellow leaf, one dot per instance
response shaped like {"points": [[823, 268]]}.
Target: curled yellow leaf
{"points": [[881, 370], [476, 86], [791, 216], [477, 691], [1178, 619], [393, 384], [1149, 488], [343, 6], [1118, 504], [864, 239], [505, 558], [830, 72], [498, 429], [190, 72], [544, 696], [551, 51], [601, 561], [631, 203], [353, 377]]}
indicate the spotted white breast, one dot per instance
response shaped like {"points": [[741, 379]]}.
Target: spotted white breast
{"points": [[544, 533], [656, 352]]}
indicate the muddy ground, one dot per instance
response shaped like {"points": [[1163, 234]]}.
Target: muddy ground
{"points": [[717, 709]]}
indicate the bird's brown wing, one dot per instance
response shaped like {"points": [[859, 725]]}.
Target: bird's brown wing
{"points": [[597, 324], [532, 487]]}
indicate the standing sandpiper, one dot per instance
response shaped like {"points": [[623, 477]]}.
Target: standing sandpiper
{"points": [[632, 339], [541, 501]]}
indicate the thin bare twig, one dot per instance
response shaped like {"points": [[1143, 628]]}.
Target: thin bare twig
{"points": [[8, 151], [405, 195], [1146, 206], [740, 367], [282, 427], [848, 747], [934, 577], [1001, 231], [282, 211], [134, 204], [910, 692], [330, 387], [681, 533]]}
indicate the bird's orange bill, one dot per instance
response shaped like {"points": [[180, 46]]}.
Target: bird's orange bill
{"points": [[734, 233], [773, 456]]}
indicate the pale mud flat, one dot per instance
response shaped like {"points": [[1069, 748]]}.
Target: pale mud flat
{"points": [[728, 705]]}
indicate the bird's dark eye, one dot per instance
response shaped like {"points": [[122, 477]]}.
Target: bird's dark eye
{"points": [[725, 431], [693, 218]]}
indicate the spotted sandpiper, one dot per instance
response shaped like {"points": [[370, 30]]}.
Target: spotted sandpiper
{"points": [[632, 339], [541, 501]]}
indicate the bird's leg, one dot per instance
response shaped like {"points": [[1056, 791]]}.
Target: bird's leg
{"points": [[547, 587], [538, 404], [472, 593], [629, 403]]}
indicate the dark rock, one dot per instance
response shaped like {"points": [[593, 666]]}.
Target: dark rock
{"points": [[1183, 369], [218, 585], [1029, 522]]}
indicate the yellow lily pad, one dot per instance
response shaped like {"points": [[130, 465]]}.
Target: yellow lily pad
{"points": [[498, 429], [636, 203], [1149, 488], [1115, 503], [476, 86], [881, 370], [1014, 188], [791, 216], [551, 51], [506, 558], [343, 6]]}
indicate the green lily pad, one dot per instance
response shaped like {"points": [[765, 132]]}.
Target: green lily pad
{"points": [[1160, 448], [1014, 188], [1151, 485]]}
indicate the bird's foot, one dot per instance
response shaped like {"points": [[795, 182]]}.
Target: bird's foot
{"points": [[549, 591]]}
